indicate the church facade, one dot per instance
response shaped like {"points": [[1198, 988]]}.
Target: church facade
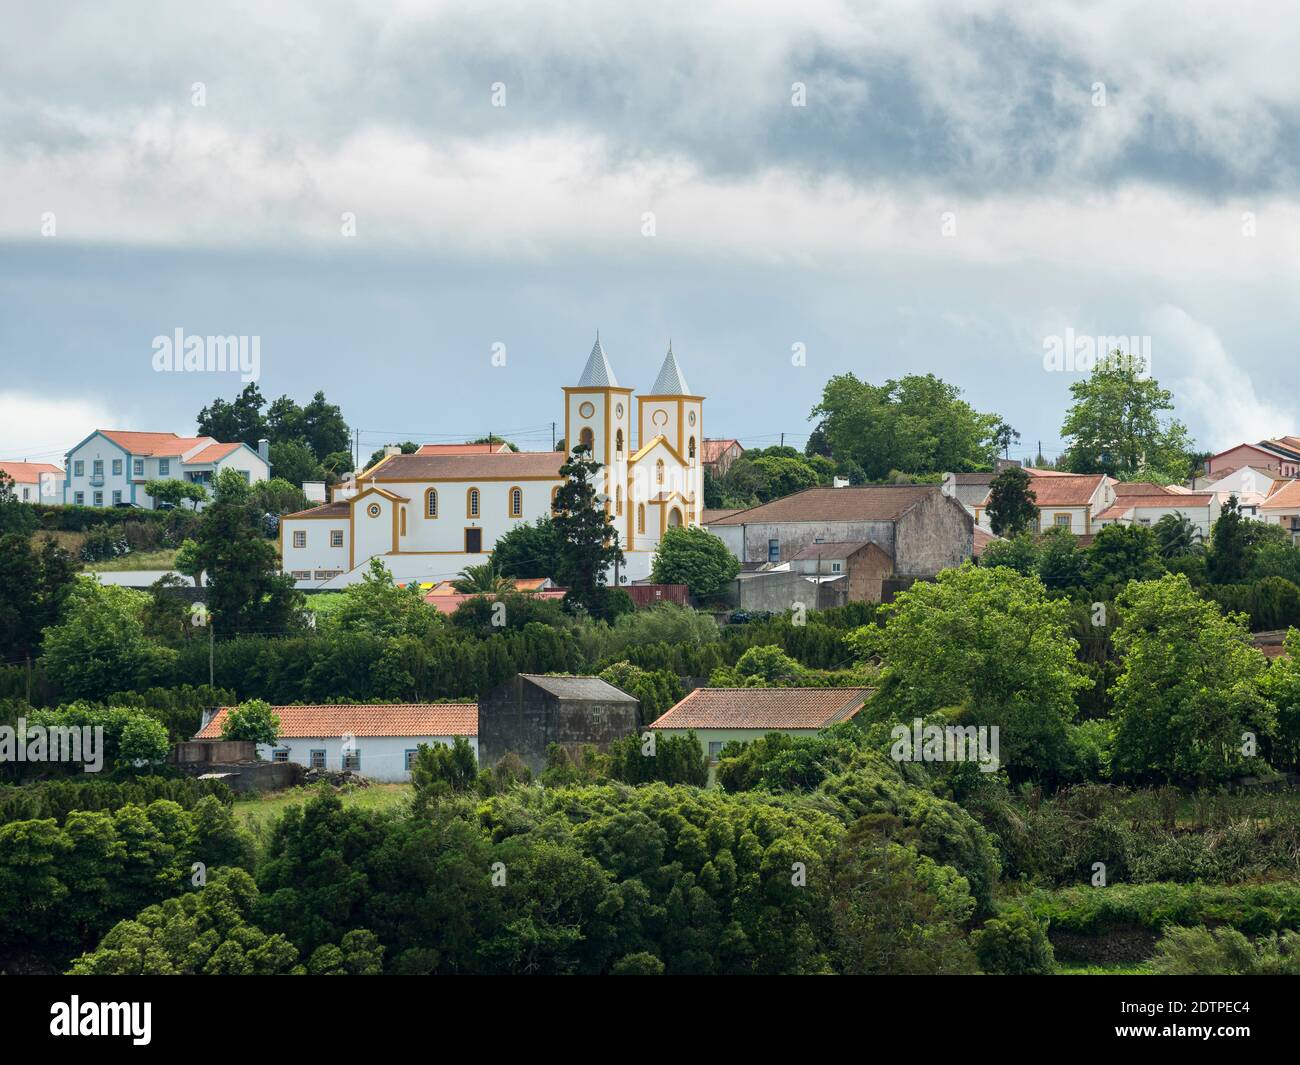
{"points": [[429, 515]]}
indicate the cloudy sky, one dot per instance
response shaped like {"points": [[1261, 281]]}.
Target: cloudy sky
{"points": [[962, 183]]}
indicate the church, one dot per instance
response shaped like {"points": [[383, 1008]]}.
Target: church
{"points": [[430, 514]]}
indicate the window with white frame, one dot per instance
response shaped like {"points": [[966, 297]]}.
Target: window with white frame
{"points": [[316, 758], [352, 759], [117, 467], [715, 749], [300, 538], [137, 467], [336, 538], [164, 467], [281, 755]]}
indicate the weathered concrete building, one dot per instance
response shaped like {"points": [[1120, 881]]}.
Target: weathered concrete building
{"points": [[529, 713], [917, 527]]}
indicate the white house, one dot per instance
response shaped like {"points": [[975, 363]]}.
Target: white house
{"points": [[1065, 500], [111, 466], [35, 482], [1250, 484], [374, 740], [430, 514], [1198, 507], [1282, 507]]}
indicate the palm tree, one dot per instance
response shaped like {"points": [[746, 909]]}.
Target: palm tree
{"points": [[482, 579], [1177, 536]]}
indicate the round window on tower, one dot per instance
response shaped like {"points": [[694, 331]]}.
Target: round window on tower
{"points": [[618, 410], [659, 418], [586, 410], [691, 417], [373, 510]]}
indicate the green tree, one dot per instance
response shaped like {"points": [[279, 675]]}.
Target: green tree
{"points": [[246, 590], [295, 462], [377, 606], [174, 492], [989, 647], [783, 476], [588, 540], [16, 517], [408, 447], [1229, 557], [1177, 536], [528, 550], [277, 496], [918, 424], [239, 422], [482, 579], [1188, 693], [440, 769], [1014, 943], [100, 645], [1020, 553], [1012, 507], [34, 586], [1122, 553], [1115, 424], [253, 721], [692, 556], [1061, 564]]}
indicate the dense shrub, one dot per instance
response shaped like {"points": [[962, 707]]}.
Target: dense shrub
{"points": [[1014, 943], [57, 798]]}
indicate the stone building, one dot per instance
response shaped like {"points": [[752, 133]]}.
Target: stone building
{"points": [[918, 527], [530, 712]]}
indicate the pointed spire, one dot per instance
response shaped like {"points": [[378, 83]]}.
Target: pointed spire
{"points": [[670, 381], [598, 373]]}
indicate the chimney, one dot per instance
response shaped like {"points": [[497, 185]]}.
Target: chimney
{"points": [[840, 482], [264, 450], [391, 449]]}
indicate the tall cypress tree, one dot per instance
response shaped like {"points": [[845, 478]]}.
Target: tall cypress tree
{"points": [[586, 536]]}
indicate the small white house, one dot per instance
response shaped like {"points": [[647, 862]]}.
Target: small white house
{"points": [[1197, 507], [35, 482], [111, 466], [377, 741]]}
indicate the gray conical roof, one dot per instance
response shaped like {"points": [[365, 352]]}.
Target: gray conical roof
{"points": [[670, 381], [598, 372]]}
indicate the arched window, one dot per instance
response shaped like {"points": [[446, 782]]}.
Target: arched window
{"points": [[618, 442], [555, 495], [472, 503], [516, 502], [640, 517], [674, 518], [690, 449], [618, 500], [587, 439], [659, 472], [431, 503]]}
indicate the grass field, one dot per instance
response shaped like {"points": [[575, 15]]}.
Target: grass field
{"points": [[163, 558], [258, 812], [1102, 970]]}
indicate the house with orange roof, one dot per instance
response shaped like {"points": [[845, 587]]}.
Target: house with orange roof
{"points": [[1282, 507], [111, 466], [1064, 500], [719, 716], [377, 741], [1200, 508], [34, 482]]}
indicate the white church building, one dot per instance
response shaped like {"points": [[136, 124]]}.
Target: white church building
{"points": [[428, 516]]}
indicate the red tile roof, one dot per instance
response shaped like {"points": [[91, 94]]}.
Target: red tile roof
{"points": [[340, 509], [1139, 488], [711, 514], [214, 452], [1066, 490], [764, 708], [463, 449], [163, 444], [28, 472], [1170, 501], [982, 539], [1286, 497], [361, 719], [713, 450]]}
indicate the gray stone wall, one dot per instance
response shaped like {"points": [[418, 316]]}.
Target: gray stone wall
{"points": [[796, 535], [520, 717], [937, 533]]}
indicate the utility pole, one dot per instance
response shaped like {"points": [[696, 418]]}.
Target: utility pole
{"points": [[552, 436]]}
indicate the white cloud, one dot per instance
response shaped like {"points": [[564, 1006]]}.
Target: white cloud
{"points": [[42, 428], [1210, 387]]}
